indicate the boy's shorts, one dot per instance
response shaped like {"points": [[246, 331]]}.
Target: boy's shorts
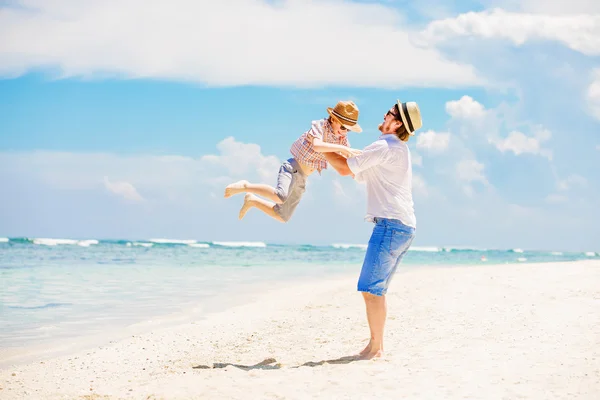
{"points": [[389, 243], [291, 185]]}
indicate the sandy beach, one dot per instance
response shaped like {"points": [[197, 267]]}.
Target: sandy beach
{"points": [[521, 331]]}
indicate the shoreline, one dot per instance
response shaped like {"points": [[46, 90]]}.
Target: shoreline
{"points": [[507, 330]]}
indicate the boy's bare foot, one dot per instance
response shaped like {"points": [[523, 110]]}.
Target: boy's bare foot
{"points": [[235, 188], [248, 204]]}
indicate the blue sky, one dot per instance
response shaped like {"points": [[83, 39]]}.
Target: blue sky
{"points": [[134, 131]]}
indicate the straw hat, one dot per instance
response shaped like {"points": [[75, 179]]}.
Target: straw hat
{"points": [[346, 112], [411, 116]]}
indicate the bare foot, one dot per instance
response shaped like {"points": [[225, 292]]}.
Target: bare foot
{"points": [[248, 200], [235, 188], [372, 355], [366, 350]]}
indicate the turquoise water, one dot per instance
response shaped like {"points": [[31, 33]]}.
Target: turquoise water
{"points": [[56, 289]]}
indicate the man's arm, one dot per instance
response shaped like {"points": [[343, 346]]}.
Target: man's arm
{"points": [[339, 163]]}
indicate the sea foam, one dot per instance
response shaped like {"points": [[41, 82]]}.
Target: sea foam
{"points": [[240, 244]]}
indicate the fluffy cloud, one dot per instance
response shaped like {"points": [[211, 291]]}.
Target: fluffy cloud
{"points": [[170, 178], [518, 143], [470, 119], [571, 182], [466, 108], [471, 171], [417, 159], [556, 198], [433, 141], [419, 186], [123, 189], [548, 7], [240, 158], [249, 42], [579, 32], [593, 94]]}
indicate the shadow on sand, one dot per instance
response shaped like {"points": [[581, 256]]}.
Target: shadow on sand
{"points": [[271, 363]]}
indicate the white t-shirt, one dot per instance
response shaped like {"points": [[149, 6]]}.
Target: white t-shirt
{"points": [[386, 167]]}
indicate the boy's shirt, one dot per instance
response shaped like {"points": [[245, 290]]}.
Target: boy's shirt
{"points": [[303, 151]]}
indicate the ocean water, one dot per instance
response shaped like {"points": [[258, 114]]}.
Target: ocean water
{"points": [[60, 289]]}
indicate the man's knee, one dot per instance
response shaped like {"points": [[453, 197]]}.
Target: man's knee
{"points": [[371, 297]]}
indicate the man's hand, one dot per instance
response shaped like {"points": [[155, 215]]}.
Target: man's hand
{"points": [[351, 152]]}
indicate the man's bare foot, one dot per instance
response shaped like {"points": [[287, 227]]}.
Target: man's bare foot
{"points": [[235, 188], [372, 355], [366, 350], [248, 204]]}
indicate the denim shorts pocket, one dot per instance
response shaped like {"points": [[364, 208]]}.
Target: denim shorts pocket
{"points": [[401, 241]]}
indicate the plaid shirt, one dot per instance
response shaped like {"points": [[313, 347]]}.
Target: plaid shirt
{"points": [[303, 151]]}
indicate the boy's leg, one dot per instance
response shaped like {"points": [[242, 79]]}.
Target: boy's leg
{"points": [[278, 195], [260, 189], [265, 206]]}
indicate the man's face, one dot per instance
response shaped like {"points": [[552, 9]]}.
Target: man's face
{"points": [[391, 121]]}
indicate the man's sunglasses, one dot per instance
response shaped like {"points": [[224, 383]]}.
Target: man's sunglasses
{"points": [[394, 115]]}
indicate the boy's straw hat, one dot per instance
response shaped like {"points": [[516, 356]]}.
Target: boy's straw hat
{"points": [[411, 116], [346, 112]]}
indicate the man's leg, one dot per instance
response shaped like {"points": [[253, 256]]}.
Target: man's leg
{"points": [[265, 206], [376, 315], [260, 189]]}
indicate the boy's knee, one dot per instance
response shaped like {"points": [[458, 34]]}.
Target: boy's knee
{"points": [[282, 195]]}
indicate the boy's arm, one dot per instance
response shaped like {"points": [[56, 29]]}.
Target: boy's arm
{"points": [[323, 147]]}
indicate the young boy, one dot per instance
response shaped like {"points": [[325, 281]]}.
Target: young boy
{"points": [[325, 135]]}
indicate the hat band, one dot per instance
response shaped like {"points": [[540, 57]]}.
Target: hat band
{"points": [[407, 116], [353, 121]]}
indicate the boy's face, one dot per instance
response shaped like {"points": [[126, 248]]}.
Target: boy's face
{"points": [[338, 129]]}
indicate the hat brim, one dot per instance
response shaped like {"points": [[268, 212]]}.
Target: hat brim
{"points": [[354, 128]]}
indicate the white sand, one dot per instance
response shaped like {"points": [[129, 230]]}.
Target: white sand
{"points": [[487, 332]]}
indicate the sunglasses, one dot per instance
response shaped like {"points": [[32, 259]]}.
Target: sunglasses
{"points": [[394, 115]]}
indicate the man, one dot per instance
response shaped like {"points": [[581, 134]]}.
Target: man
{"points": [[385, 166]]}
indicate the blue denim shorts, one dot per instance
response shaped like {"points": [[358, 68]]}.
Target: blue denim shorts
{"points": [[389, 243]]}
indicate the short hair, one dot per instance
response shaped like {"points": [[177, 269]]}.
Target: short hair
{"points": [[402, 133]]}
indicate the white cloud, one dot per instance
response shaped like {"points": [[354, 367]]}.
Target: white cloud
{"points": [[552, 7], [518, 143], [465, 108], [124, 189], [471, 171], [470, 119], [573, 180], [338, 189], [579, 32], [433, 141], [420, 186], [171, 178], [416, 159], [593, 94], [222, 43], [239, 158], [556, 199]]}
